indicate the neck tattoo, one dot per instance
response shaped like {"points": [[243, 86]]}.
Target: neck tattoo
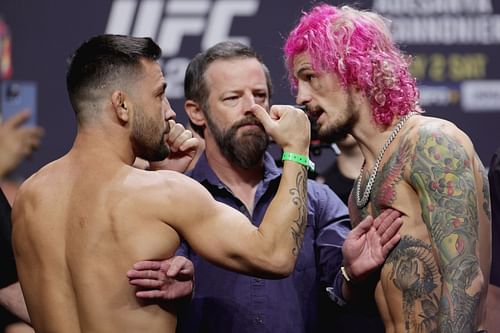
{"points": [[361, 202]]}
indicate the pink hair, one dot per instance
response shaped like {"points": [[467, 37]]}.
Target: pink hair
{"points": [[358, 48]]}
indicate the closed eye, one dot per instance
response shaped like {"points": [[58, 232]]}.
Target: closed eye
{"points": [[260, 97]]}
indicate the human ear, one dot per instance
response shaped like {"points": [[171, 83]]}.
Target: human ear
{"points": [[120, 105], [358, 96], [194, 112]]}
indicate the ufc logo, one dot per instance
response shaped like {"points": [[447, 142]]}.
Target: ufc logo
{"points": [[168, 22]]}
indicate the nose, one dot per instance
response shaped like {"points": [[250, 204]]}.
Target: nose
{"points": [[168, 111], [247, 101], [303, 94]]}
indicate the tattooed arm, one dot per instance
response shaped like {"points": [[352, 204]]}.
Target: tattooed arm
{"points": [[225, 236], [449, 180]]}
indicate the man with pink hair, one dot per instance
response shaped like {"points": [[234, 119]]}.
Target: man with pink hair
{"points": [[354, 79]]}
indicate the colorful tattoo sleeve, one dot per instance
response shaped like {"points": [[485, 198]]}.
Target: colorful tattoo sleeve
{"points": [[442, 173]]}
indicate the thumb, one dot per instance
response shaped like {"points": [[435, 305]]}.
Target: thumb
{"points": [[171, 123], [261, 114], [17, 119], [362, 228], [176, 265]]}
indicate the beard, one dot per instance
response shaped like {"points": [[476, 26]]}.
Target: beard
{"points": [[245, 150], [147, 138], [331, 133]]}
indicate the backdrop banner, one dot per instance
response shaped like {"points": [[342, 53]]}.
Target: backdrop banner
{"points": [[453, 42]]}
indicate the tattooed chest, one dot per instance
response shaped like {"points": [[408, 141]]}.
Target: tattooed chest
{"points": [[384, 191]]}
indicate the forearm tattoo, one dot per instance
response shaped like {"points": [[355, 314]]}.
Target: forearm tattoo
{"points": [[442, 173], [299, 199]]}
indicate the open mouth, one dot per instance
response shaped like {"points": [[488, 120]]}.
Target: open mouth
{"points": [[314, 113]]}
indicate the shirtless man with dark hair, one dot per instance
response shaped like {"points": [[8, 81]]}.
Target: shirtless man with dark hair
{"points": [[84, 219]]}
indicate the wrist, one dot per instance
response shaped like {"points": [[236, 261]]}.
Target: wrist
{"points": [[298, 158], [296, 149], [347, 276]]}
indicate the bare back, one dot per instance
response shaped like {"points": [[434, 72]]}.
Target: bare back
{"points": [[77, 231], [432, 175]]}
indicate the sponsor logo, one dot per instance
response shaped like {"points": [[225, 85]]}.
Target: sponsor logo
{"points": [[194, 25], [441, 96], [480, 95]]}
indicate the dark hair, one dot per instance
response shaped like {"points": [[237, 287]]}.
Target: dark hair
{"points": [[102, 61], [195, 87]]}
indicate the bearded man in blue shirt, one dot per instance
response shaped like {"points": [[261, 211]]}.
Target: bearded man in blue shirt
{"points": [[221, 85]]}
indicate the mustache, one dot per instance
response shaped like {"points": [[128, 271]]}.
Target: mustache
{"points": [[248, 120], [311, 112]]}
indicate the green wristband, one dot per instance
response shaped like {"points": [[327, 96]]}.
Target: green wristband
{"points": [[301, 159]]}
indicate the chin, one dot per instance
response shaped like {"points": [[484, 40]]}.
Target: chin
{"points": [[331, 135]]}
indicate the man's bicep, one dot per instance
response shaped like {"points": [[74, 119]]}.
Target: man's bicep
{"points": [[213, 229]]}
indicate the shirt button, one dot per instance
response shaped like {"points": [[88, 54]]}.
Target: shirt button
{"points": [[258, 320], [257, 282]]}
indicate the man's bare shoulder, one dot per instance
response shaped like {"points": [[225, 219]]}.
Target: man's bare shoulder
{"points": [[37, 182], [438, 128], [170, 188], [168, 182]]}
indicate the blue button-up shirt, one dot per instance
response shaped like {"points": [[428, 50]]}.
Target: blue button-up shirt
{"points": [[225, 301]]}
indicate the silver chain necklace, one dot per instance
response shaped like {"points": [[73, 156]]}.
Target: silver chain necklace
{"points": [[361, 202]]}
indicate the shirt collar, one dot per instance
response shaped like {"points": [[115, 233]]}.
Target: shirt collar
{"points": [[203, 172]]}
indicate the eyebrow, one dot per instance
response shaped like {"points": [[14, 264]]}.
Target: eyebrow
{"points": [[300, 71], [161, 89], [238, 91], [304, 67]]}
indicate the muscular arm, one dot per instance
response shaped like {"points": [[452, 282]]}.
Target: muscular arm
{"points": [[226, 237], [445, 175]]}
